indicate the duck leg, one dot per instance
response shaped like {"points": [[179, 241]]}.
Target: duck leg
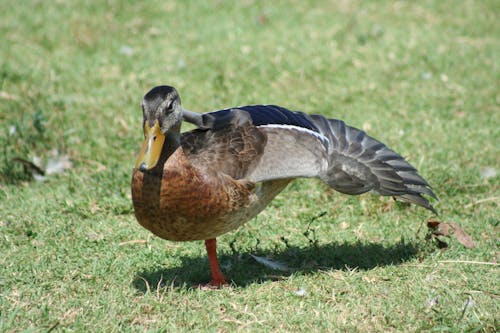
{"points": [[218, 279]]}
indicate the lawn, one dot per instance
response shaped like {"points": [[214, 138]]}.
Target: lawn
{"points": [[421, 76]]}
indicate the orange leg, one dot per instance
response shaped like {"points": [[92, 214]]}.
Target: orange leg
{"points": [[218, 279]]}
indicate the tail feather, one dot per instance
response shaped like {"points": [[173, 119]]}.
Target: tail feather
{"points": [[401, 165], [359, 163], [418, 200], [412, 178]]}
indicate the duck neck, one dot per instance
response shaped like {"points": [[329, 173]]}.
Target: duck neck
{"points": [[172, 142]]}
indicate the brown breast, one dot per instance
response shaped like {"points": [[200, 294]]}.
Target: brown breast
{"points": [[187, 203]]}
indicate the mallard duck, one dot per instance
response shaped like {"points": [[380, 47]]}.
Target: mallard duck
{"points": [[203, 183]]}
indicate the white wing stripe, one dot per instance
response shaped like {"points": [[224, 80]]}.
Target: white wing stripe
{"points": [[321, 137]]}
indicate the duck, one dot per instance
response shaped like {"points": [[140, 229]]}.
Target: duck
{"points": [[200, 184]]}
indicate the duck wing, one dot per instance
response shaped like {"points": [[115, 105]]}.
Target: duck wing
{"points": [[294, 144], [231, 145], [258, 143]]}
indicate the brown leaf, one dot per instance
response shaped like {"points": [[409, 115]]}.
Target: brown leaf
{"points": [[445, 229], [439, 228], [432, 224], [461, 236], [441, 244]]}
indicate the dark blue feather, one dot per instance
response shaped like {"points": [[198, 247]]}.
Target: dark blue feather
{"points": [[272, 114]]}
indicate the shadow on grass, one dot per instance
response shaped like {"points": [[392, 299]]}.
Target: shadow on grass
{"points": [[241, 269]]}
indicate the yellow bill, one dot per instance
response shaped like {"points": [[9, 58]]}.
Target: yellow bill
{"points": [[151, 148]]}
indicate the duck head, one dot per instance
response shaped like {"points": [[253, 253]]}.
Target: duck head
{"points": [[162, 117]]}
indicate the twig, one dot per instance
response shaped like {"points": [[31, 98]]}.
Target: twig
{"points": [[135, 241], [468, 303], [419, 265], [51, 328], [468, 262], [29, 165], [489, 293], [148, 288], [481, 201]]}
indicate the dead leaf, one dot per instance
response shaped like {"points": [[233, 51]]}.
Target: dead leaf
{"points": [[300, 292], [445, 229], [461, 236], [55, 164], [439, 228], [432, 302], [441, 244], [432, 224], [32, 167], [58, 163]]}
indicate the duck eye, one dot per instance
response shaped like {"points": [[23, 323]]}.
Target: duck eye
{"points": [[170, 105]]}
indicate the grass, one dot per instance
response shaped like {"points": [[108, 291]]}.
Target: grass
{"points": [[420, 76]]}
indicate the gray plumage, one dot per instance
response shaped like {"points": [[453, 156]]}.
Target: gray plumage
{"points": [[301, 145]]}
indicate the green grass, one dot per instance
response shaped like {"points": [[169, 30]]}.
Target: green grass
{"points": [[422, 77]]}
